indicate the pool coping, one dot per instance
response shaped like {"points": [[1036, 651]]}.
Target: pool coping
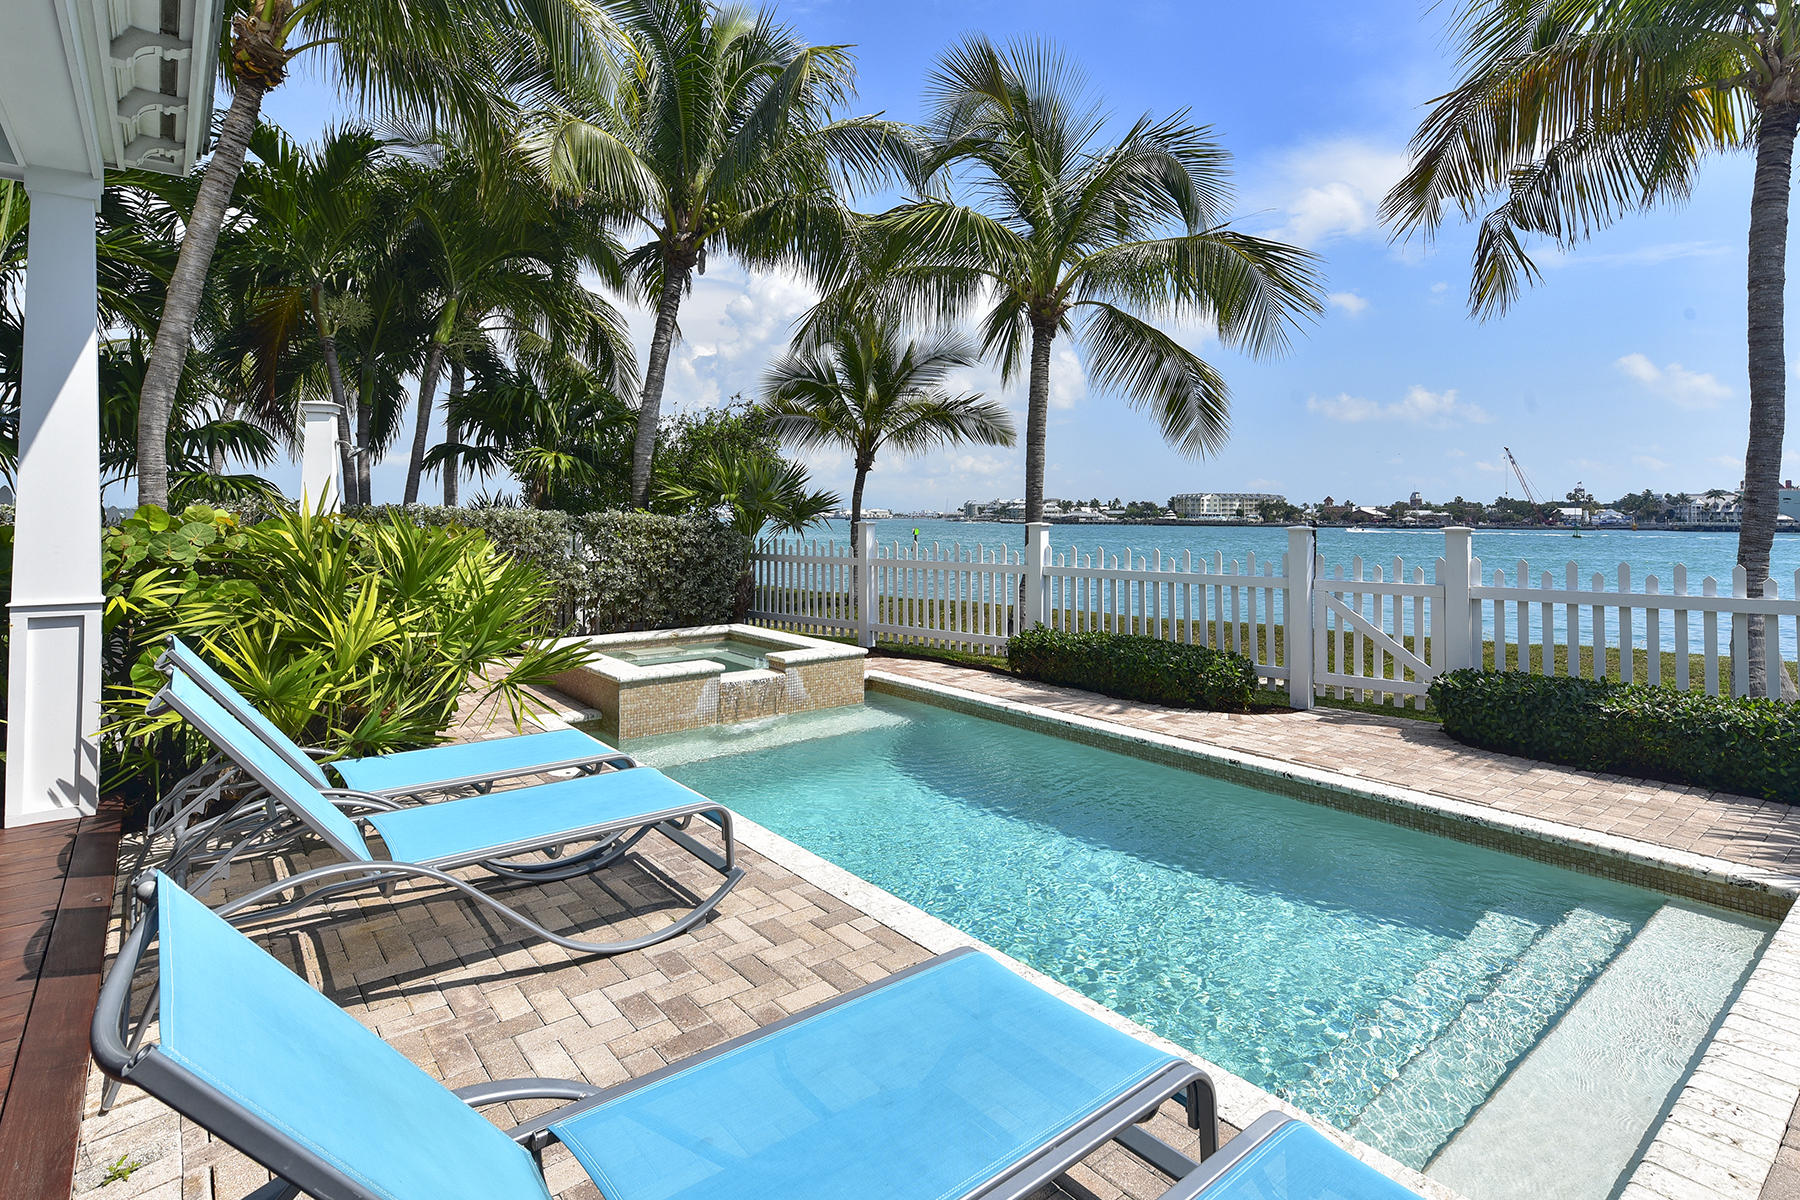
{"points": [[1721, 1135]]}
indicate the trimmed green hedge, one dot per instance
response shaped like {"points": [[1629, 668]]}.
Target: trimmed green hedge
{"points": [[1751, 747], [616, 571], [1134, 667]]}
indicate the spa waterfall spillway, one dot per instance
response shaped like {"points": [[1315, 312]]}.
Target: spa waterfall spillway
{"points": [[668, 680]]}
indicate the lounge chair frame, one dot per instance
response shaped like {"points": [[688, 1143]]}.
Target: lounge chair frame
{"points": [[261, 821], [175, 658], [117, 1048]]}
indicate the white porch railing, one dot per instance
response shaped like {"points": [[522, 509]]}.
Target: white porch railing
{"points": [[1378, 633]]}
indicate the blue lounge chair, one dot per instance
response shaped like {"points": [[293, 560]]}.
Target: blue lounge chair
{"points": [[954, 1079], [461, 767], [505, 833]]}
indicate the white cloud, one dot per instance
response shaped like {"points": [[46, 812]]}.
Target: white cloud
{"points": [[1350, 302], [1330, 189], [1419, 406], [1649, 462], [1439, 288], [1653, 255], [1674, 382], [1068, 379]]}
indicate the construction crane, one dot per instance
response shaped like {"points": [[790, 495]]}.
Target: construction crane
{"points": [[1519, 471]]}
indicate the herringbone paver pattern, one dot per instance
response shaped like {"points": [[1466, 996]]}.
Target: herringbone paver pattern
{"points": [[459, 995]]}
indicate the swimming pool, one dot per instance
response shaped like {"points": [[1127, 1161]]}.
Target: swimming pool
{"points": [[1510, 1027]]}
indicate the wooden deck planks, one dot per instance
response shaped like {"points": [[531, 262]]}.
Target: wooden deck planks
{"points": [[56, 889]]}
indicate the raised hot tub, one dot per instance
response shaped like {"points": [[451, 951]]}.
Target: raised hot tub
{"points": [[667, 680]]}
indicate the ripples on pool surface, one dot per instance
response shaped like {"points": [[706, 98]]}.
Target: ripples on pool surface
{"points": [[1386, 980]]}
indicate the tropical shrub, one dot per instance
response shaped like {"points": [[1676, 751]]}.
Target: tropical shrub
{"points": [[1749, 746], [1135, 667], [614, 571], [358, 636]]}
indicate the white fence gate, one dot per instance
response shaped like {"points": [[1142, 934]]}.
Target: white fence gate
{"points": [[1378, 633]]}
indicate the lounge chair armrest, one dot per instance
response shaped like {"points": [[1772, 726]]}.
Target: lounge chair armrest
{"points": [[350, 799], [1195, 1182], [534, 1134], [505, 1091]]}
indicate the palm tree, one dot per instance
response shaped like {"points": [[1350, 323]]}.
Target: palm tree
{"points": [[719, 136], [493, 242], [438, 61], [551, 421], [311, 212], [1569, 115], [867, 388], [758, 493], [137, 241], [1073, 223]]}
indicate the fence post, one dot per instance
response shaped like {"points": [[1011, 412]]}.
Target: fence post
{"points": [[1461, 633], [1037, 556], [320, 461], [1297, 615], [863, 575]]}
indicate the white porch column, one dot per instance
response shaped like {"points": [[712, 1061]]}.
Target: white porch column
{"points": [[53, 713], [321, 489]]}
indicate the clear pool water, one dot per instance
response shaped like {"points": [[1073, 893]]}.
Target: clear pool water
{"points": [[1437, 999], [733, 654]]}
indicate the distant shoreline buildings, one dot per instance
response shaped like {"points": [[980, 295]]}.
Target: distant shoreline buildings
{"points": [[1717, 509], [1201, 505]]}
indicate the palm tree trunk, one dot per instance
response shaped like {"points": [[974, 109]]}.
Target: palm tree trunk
{"points": [[215, 454], [668, 305], [453, 435], [347, 453], [181, 304], [856, 495], [365, 456], [1037, 419], [1768, 361], [428, 381]]}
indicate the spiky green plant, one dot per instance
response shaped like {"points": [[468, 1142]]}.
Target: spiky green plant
{"points": [[358, 636]]}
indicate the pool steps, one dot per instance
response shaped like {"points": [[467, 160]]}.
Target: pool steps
{"points": [[1440, 1088], [1340, 1082], [1626, 1043]]}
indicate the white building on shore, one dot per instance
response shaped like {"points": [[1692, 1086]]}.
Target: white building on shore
{"points": [[1200, 505], [1724, 510]]}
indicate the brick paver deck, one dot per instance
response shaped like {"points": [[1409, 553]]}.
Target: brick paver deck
{"points": [[446, 987]]}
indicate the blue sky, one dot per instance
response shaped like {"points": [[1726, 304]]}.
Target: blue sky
{"points": [[1624, 370]]}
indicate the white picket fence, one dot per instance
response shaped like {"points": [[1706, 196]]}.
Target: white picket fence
{"points": [[1378, 633]]}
